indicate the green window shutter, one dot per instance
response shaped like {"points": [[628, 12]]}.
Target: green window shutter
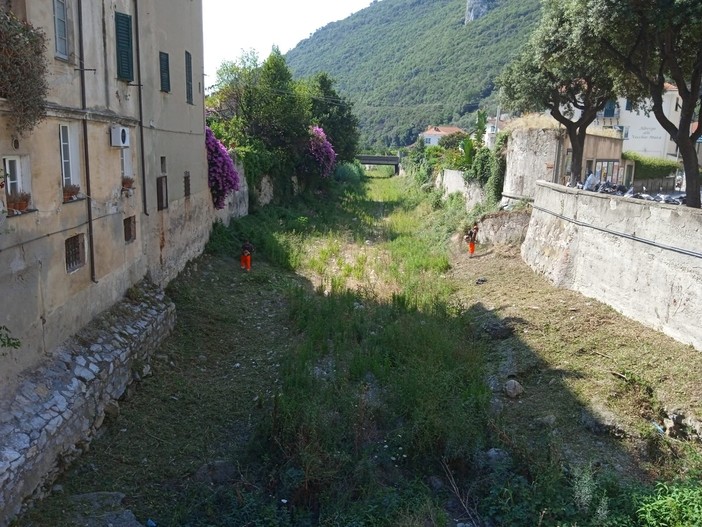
{"points": [[164, 71], [188, 78], [123, 35]]}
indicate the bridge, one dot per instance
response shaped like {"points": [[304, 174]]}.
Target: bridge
{"points": [[380, 160]]}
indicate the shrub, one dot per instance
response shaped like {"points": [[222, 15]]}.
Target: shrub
{"points": [[24, 68], [322, 151], [349, 172], [651, 167]]}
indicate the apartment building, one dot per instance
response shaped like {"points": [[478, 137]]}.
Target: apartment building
{"points": [[116, 175]]}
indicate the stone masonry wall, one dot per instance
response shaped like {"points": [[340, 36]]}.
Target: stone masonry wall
{"points": [[450, 181], [58, 408]]}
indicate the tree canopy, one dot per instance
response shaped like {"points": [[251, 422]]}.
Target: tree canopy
{"points": [[560, 71], [658, 43], [279, 126]]}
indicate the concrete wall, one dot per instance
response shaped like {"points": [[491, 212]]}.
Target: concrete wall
{"points": [[58, 408], [450, 181], [640, 257]]}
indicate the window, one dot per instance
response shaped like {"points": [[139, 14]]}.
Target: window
{"points": [[629, 105], [163, 165], [123, 35], [186, 183], [610, 109], [13, 174], [188, 78], [61, 29], [427, 140], [125, 163], [162, 192], [164, 71], [65, 145], [130, 229], [75, 252]]}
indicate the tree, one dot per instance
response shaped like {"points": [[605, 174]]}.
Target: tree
{"points": [[559, 72], [659, 42], [334, 114]]}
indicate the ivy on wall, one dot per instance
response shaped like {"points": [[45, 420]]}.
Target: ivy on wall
{"points": [[24, 68]]}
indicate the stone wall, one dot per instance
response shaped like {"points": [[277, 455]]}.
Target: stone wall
{"points": [[57, 409], [450, 181], [504, 227], [531, 156], [642, 258]]}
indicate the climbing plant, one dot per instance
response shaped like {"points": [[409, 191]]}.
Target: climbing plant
{"points": [[6, 340], [223, 178], [23, 66]]}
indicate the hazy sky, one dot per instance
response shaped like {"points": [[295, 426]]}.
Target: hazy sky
{"points": [[231, 26]]}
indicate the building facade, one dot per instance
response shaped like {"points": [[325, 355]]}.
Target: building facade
{"points": [[125, 130]]}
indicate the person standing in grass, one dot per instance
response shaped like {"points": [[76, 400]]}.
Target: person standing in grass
{"points": [[471, 238], [246, 249]]}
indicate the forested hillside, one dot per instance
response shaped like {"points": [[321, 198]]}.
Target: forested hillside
{"points": [[408, 63]]}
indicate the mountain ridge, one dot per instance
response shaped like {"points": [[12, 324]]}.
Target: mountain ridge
{"points": [[408, 63]]}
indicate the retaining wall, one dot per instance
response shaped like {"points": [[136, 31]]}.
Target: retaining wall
{"points": [[58, 408], [450, 181], [642, 258]]}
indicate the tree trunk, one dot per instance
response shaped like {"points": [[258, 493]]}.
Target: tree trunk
{"points": [[692, 172]]}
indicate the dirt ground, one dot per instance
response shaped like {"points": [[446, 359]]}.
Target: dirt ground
{"points": [[596, 383]]}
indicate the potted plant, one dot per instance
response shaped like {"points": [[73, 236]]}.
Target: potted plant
{"points": [[70, 192], [18, 201], [127, 182]]}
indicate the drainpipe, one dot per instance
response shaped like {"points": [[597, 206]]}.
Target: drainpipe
{"points": [[141, 110], [86, 143]]}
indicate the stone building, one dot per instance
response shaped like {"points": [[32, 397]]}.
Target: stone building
{"points": [[125, 109]]}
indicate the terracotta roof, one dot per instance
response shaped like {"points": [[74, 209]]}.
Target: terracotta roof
{"points": [[670, 87], [442, 130]]}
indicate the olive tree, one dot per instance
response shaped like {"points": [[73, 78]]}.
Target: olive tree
{"points": [[560, 72], [659, 42]]}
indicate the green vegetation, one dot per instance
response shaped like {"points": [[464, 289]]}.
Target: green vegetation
{"points": [[24, 70], [352, 392], [651, 167], [407, 64], [560, 70], [280, 127], [7, 340]]}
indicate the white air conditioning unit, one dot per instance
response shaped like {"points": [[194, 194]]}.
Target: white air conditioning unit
{"points": [[119, 136]]}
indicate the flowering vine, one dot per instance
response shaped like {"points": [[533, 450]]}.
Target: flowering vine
{"points": [[322, 150], [222, 177]]}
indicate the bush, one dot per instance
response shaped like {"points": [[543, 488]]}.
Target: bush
{"points": [[651, 167], [349, 172]]}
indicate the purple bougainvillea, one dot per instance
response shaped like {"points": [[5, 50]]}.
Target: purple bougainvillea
{"points": [[322, 150], [222, 177]]}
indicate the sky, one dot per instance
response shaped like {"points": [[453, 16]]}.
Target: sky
{"points": [[231, 26]]}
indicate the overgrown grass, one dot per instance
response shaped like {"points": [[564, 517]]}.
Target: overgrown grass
{"points": [[340, 404]]}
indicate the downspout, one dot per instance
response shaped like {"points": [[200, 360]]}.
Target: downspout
{"points": [[141, 110], [86, 148]]}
